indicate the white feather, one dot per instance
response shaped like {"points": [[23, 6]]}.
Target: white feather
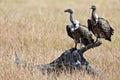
{"points": [[96, 17], [73, 28]]}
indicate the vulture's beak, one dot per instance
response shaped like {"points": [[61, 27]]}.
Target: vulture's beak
{"points": [[66, 11]]}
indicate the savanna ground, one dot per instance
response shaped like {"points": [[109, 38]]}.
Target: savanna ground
{"points": [[35, 29]]}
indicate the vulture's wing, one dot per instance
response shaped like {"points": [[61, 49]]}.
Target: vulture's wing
{"points": [[69, 31], [105, 27], [89, 25]]}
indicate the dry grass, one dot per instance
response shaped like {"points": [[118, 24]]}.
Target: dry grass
{"points": [[36, 30]]}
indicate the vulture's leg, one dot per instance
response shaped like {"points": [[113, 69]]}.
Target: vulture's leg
{"points": [[80, 42], [75, 44], [96, 37]]}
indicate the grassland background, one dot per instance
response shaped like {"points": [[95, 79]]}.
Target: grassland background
{"points": [[35, 29]]}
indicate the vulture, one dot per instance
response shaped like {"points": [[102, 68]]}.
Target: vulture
{"points": [[100, 27], [78, 32]]}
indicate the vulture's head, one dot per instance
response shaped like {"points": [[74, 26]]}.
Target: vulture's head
{"points": [[93, 7], [69, 11]]}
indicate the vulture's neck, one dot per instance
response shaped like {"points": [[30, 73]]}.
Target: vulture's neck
{"points": [[72, 19], [93, 14]]}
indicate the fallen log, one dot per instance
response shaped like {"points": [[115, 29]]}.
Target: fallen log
{"points": [[71, 59]]}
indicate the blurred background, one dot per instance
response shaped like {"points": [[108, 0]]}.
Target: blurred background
{"points": [[36, 30]]}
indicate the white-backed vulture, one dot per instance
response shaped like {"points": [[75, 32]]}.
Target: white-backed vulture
{"points": [[99, 26], [78, 32]]}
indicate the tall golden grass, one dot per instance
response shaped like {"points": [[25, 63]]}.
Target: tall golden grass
{"points": [[35, 29]]}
